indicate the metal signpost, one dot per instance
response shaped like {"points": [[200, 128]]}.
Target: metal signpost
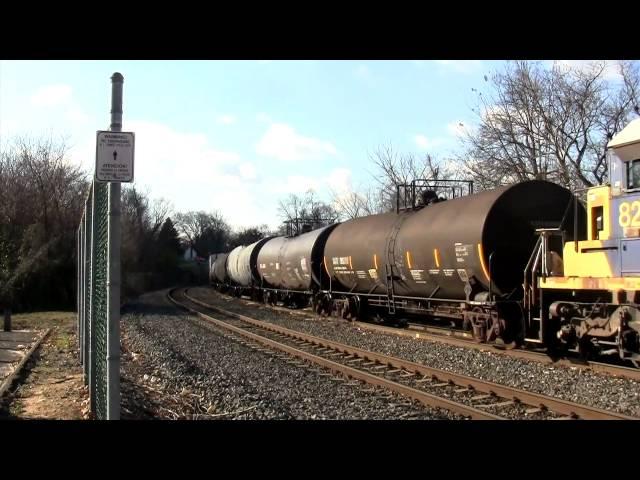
{"points": [[99, 263]]}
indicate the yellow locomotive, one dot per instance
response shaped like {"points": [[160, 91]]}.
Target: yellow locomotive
{"points": [[590, 298]]}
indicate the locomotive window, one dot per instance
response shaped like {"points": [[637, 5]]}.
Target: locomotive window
{"points": [[597, 222], [633, 174]]}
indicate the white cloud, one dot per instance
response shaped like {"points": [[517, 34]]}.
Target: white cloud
{"points": [[283, 143], [296, 184], [247, 171], [51, 95], [427, 143], [77, 116], [187, 169], [263, 118], [458, 128], [339, 180], [611, 71], [168, 156], [226, 119], [461, 66]]}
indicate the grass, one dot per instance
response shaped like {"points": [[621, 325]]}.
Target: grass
{"points": [[40, 320]]}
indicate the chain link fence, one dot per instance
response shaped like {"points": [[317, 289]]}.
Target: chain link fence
{"points": [[100, 369]]}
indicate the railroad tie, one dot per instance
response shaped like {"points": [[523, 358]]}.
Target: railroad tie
{"points": [[531, 411], [424, 379], [499, 404], [408, 374], [480, 397], [443, 384], [460, 390], [395, 370], [357, 360]]}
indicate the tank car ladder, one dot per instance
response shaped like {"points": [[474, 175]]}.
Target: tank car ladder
{"points": [[390, 291], [391, 247]]}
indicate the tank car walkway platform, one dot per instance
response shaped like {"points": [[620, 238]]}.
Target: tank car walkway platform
{"points": [[14, 347]]}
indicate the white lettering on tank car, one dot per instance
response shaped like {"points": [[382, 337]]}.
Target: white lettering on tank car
{"points": [[417, 274], [462, 273], [462, 252], [448, 272]]}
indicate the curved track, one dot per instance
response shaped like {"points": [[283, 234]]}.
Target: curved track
{"points": [[467, 396]]}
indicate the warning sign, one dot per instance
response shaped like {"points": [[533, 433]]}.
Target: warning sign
{"points": [[114, 156]]}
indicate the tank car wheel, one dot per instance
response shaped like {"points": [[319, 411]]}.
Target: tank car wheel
{"points": [[356, 308], [352, 309], [586, 348], [345, 311]]}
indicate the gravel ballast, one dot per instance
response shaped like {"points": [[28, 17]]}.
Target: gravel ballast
{"points": [[178, 366], [570, 383]]}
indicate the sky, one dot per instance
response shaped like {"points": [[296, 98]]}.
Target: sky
{"points": [[238, 136]]}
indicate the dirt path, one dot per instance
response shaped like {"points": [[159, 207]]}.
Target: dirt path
{"points": [[51, 385]]}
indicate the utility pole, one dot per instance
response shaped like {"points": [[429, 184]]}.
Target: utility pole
{"points": [[113, 269]]}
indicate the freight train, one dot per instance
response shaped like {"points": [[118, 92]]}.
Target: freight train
{"points": [[524, 263]]}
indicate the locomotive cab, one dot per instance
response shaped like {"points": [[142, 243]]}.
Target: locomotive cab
{"points": [[594, 305]]}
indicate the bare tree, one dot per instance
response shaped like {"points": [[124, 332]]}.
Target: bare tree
{"points": [[399, 169], [249, 235], [359, 203], [549, 124], [306, 210], [206, 232], [41, 199]]}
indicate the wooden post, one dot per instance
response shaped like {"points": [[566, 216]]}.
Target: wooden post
{"points": [[7, 319]]}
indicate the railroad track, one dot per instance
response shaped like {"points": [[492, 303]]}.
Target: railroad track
{"points": [[463, 339], [463, 395], [454, 337]]}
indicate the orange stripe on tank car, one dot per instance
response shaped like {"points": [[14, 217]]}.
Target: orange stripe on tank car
{"points": [[350, 266], [436, 256], [375, 260], [482, 264], [325, 265], [409, 259]]}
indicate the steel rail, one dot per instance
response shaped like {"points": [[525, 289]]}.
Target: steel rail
{"points": [[463, 339], [544, 402]]}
